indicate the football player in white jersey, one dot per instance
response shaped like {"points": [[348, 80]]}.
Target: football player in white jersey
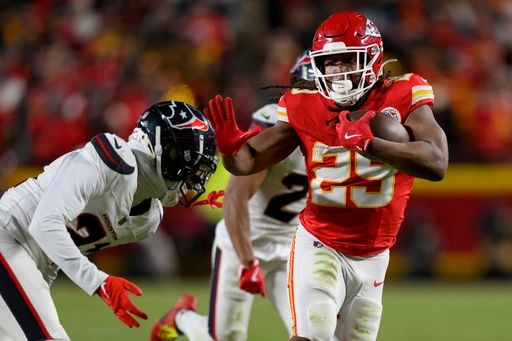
{"points": [[251, 247], [109, 192]]}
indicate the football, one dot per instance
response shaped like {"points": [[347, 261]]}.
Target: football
{"points": [[383, 126]]}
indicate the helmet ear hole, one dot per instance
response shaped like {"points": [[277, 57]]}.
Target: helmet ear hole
{"points": [[173, 153]]}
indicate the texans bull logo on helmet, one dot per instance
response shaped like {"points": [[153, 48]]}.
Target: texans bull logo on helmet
{"points": [[181, 119]]}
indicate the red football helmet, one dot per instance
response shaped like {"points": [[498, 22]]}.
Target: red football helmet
{"points": [[347, 32]]}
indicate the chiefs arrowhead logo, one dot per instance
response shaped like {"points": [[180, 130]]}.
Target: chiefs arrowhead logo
{"points": [[393, 112], [371, 29]]}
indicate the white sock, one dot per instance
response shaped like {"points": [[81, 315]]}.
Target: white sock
{"points": [[193, 325]]}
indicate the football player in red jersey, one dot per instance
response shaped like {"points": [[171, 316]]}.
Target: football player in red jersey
{"points": [[355, 204], [251, 245]]}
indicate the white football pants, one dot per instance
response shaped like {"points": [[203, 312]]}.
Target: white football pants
{"points": [[230, 307], [334, 296], [27, 311]]}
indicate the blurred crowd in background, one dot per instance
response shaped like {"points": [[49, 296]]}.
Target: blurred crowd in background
{"points": [[71, 69]]}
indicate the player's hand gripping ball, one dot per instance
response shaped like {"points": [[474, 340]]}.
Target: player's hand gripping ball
{"points": [[383, 126], [357, 129]]}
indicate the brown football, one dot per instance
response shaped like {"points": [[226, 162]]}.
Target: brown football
{"points": [[383, 126]]}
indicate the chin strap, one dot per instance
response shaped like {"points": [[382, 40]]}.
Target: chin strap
{"points": [[211, 200], [158, 154], [158, 157]]}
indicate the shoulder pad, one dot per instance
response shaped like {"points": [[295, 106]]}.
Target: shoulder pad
{"points": [[110, 148], [265, 116], [412, 86], [407, 80], [421, 90]]}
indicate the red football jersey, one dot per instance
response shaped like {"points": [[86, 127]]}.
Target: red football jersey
{"points": [[354, 205]]}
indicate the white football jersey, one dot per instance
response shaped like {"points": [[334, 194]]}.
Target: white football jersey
{"points": [[82, 202], [274, 208]]}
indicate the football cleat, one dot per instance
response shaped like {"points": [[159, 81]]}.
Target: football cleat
{"points": [[165, 329]]}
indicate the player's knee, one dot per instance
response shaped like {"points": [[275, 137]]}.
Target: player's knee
{"points": [[322, 320], [364, 320], [323, 271]]}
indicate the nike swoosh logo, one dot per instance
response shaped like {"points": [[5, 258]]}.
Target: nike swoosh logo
{"points": [[102, 286], [265, 116], [376, 284], [116, 144], [347, 136]]}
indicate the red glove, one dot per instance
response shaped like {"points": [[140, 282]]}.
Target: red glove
{"points": [[229, 137], [355, 135], [114, 292], [252, 279]]}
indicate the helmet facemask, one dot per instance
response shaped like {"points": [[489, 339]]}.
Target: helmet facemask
{"points": [[195, 184], [350, 85], [188, 183]]}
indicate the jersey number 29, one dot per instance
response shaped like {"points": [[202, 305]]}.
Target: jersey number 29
{"points": [[331, 188]]}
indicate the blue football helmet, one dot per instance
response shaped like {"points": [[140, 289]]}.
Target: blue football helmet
{"points": [[183, 141]]}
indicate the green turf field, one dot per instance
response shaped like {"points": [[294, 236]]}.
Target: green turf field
{"points": [[412, 311]]}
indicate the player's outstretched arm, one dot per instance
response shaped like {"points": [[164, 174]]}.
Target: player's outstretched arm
{"points": [[249, 152], [426, 156], [230, 138], [236, 215]]}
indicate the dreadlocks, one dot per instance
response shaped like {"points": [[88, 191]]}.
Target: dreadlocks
{"points": [[299, 83]]}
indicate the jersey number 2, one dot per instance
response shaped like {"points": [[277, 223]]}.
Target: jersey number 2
{"points": [[95, 232], [275, 207]]}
